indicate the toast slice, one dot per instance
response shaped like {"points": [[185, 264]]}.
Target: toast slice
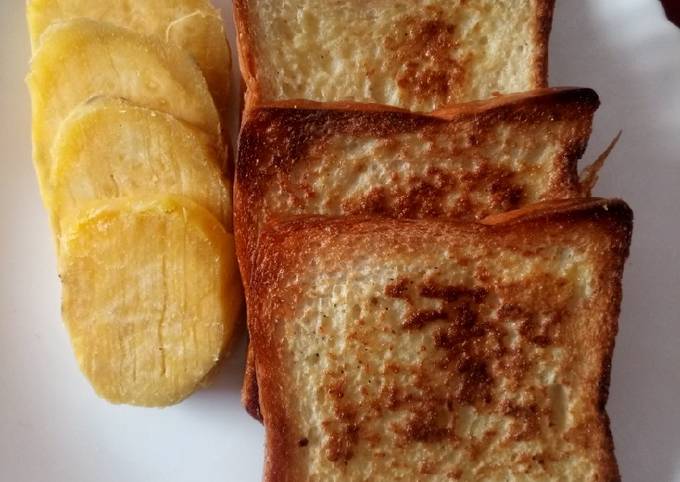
{"points": [[109, 148], [79, 59], [419, 55], [151, 295], [464, 162], [193, 25], [428, 350]]}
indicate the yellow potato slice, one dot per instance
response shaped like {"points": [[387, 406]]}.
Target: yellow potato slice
{"points": [[151, 295], [202, 35], [79, 59], [194, 25], [109, 148]]}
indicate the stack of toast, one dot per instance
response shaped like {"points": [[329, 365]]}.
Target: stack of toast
{"points": [[432, 293], [129, 99]]}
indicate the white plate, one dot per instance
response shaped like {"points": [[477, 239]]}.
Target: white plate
{"points": [[53, 428]]}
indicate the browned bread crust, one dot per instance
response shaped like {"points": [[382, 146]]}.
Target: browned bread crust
{"points": [[546, 10], [290, 257], [248, 52], [250, 393], [244, 49]]}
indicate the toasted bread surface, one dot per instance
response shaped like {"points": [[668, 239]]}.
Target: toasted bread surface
{"points": [[430, 350], [151, 296], [109, 148], [420, 55], [461, 163], [194, 25], [82, 58]]}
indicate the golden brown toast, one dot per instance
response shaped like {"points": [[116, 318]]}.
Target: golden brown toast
{"points": [[419, 55], [464, 162], [428, 350]]}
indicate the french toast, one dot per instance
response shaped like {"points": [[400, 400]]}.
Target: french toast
{"points": [[419, 55], [108, 147], [463, 162], [151, 296], [431, 350], [193, 25], [81, 58]]}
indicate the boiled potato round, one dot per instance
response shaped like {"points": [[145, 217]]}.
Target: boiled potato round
{"points": [[193, 25], [151, 295], [109, 148], [82, 58]]}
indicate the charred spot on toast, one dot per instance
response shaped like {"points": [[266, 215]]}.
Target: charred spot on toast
{"points": [[431, 289], [439, 194], [439, 72], [422, 424], [539, 329], [469, 358], [418, 319], [399, 289], [343, 429]]}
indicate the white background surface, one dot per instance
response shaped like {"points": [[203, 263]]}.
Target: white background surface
{"points": [[53, 428]]}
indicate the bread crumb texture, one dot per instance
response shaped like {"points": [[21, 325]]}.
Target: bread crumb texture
{"points": [[456, 171], [476, 359], [418, 55]]}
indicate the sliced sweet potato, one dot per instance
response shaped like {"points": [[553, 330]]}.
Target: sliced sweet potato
{"points": [[79, 59], [109, 148], [150, 296], [193, 25]]}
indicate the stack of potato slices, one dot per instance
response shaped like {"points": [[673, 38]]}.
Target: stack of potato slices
{"points": [[128, 102]]}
